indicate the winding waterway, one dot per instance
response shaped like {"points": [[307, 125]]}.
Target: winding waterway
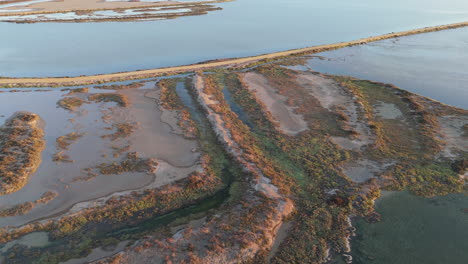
{"points": [[242, 28]]}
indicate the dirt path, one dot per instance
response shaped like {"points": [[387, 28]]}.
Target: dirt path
{"points": [[142, 74]]}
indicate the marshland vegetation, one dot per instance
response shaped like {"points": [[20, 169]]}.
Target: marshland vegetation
{"points": [[21, 146], [252, 174]]}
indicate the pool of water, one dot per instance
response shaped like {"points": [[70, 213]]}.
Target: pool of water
{"points": [[152, 138], [242, 28], [433, 64], [35, 239], [414, 230]]}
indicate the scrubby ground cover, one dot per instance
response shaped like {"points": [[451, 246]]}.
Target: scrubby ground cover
{"points": [[410, 140], [309, 165], [301, 167], [172, 102], [21, 145], [254, 173], [118, 218], [119, 99]]}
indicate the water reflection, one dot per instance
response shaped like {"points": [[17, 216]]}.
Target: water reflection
{"points": [[242, 28]]}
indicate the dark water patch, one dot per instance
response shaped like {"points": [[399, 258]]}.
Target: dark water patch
{"points": [[414, 230], [236, 108]]}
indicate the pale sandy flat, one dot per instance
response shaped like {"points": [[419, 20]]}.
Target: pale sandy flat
{"points": [[332, 96], [452, 135], [67, 5], [289, 122]]}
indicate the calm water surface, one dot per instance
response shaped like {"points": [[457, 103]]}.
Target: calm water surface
{"points": [[415, 230], [433, 64], [244, 27]]}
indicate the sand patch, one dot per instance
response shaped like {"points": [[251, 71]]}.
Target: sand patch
{"points": [[172, 119], [326, 90], [335, 98], [362, 170], [289, 122], [387, 111], [452, 133]]}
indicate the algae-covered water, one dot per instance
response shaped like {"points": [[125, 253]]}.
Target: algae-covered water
{"points": [[415, 230]]}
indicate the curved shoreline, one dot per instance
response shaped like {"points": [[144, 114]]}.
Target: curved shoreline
{"points": [[8, 82], [149, 5]]}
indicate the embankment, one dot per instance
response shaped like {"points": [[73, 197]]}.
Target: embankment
{"points": [[142, 74]]}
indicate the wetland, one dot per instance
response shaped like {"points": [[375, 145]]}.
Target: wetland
{"points": [[354, 151]]}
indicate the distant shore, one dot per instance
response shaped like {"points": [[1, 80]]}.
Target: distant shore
{"points": [[94, 5], [151, 73]]}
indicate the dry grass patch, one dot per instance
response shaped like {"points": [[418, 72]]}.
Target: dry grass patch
{"points": [[120, 100], [132, 163], [64, 142], [123, 130], [21, 145], [75, 91], [71, 103], [61, 157], [133, 85]]}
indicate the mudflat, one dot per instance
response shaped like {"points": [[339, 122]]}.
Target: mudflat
{"points": [[67, 5]]}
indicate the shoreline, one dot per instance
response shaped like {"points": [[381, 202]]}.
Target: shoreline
{"points": [[8, 82], [132, 5]]}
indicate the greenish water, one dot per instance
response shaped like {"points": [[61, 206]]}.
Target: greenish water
{"points": [[415, 230], [35, 239]]}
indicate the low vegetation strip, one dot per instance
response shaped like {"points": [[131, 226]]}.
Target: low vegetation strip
{"points": [[88, 6], [24, 208], [21, 145], [142, 74], [120, 100]]}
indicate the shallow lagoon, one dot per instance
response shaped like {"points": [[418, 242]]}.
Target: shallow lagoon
{"points": [[152, 138], [414, 230], [242, 28], [433, 64]]}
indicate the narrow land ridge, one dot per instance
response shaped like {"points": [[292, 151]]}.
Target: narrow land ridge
{"points": [[155, 4], [143, 74]]}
